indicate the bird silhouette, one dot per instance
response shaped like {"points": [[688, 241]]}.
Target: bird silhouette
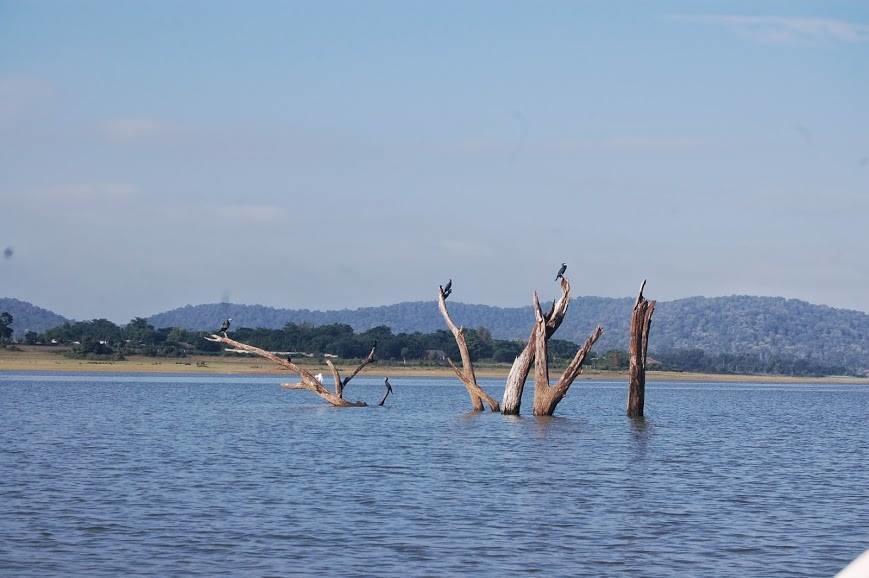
{"points": [[224, 327], [561, 272]]}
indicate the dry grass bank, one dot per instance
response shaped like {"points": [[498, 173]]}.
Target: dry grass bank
{"points": [[51, 359]]}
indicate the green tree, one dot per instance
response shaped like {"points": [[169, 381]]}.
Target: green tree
{"points": [[5, 327]]}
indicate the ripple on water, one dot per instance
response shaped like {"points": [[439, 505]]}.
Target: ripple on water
{"points": [[132, 475]]}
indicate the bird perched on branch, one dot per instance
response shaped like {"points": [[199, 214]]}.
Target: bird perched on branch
{"points": [[561, 272], [224, 327], [388, 390], [447, 289]]}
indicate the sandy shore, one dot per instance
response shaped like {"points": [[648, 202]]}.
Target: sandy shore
{"points": [[45, 359]]}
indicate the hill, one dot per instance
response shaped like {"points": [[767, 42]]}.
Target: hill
{"points": [[722, 325], [28, 317]]}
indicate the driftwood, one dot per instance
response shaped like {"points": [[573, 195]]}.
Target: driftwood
{"points": [[466, 374], [641, 321], [515, 385], [307, 381]]}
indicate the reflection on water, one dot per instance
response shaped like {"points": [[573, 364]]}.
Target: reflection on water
{"points": [[115, 475]]}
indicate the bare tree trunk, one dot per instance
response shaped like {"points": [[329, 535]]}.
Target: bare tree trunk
{"points": [[641, 321], [515, 385], [307, 381], [546, 398], [466, 375]]}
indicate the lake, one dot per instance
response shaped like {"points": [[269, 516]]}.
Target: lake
{"points": [[109, 475]]}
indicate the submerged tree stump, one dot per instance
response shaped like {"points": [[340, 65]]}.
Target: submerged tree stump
{"points": [[546, 396], [641, 321], [466, 374], [515, 385], [306, 379]]}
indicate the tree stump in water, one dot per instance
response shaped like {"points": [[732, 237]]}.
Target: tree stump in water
{"points": [[641, 321]]}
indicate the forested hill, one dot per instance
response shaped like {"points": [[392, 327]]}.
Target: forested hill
{"points": [[728, 325], [27, 317]]}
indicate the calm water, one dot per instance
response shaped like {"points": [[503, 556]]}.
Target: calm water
{"points": [[121, 475]]}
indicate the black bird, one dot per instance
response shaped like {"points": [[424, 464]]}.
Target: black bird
{"points": [[374, 345], [561, 271], [388, 390], [224, 327], [449, 286], [290, 358]]}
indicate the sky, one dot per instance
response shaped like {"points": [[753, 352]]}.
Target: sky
{"points": [[346, 154]]}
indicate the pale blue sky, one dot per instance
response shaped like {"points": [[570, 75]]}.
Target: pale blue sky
{"points": [[343, 154]]}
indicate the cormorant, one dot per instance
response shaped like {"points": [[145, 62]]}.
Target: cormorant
{"points": [[561, 271], [448, 287], [224, 327], [386, 383]]}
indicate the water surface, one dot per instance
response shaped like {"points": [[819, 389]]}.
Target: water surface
{"points": [[165, 475]]}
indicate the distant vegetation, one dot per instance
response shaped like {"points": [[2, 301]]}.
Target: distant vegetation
{"points": [[727, 335], [741, 327], [102, 339], [28, 317]]}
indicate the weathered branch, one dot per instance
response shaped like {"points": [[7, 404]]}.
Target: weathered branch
{"points": [[308, 381], [467, 376], [547, 397], [366, 361], [336, 376], [541, 356], [638, 347], [515, 385]]}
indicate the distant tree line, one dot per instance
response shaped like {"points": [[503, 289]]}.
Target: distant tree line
{"points": [[5, 327], [103, 339]]}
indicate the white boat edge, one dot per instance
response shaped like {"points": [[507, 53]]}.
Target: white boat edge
{"points": [[859, 568]]}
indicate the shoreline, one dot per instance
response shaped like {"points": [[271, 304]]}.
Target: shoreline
{"points": [[31, 360]]}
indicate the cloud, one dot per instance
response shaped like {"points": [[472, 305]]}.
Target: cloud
{"points": [[782, 30], [462, 248], [83, 193], [129, 129], [20, 94], [251, 213]]}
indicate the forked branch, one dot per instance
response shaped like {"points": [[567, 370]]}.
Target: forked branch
{"points": [[547, 398], [515, 385], [466, 375], [307, 381]]}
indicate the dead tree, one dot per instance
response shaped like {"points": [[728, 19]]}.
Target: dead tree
{"points": [[641, 321], [466, 374], [546, 396], [515, 385], [306, 380]]}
